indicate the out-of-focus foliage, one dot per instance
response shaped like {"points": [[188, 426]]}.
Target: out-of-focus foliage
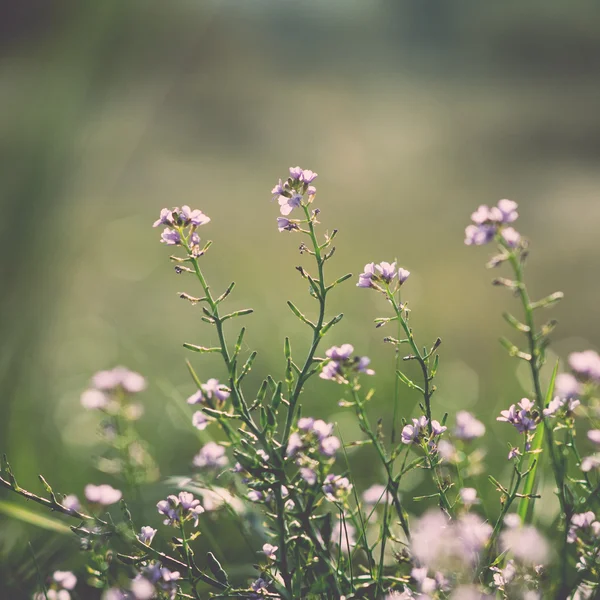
{"points": [[413, 113]]}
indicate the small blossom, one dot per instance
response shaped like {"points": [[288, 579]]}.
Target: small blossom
{"points": [[467, 426], [365, 279], [102, 494], [308, 176], [411, 434], [277, 191], [170, 237], [284, 224], [94, 400], [560, 404], [375, 494], [387, 271], [481, 215], [200, 420], [594, 435], [166, 218], [65, 579], [296, 173], [447, 451], [511, 237], [336, 488], [566, 386], [329, 446], [519, 417], [192, 217], [71, 502], [403, 275], [211, 455], [339, 353], [514, 452], [341, 364], [269, 551], [436, 428], [146, 535], [586, 364], [525, 544], [287, 205], [213, 389], [468, 496], [309, 475], [196, 398], [590, 462], [478, 235], [119, 377], [505, 212], [179, 508]]}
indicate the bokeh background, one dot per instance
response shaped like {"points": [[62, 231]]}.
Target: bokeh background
{"points": [[412, 113]]}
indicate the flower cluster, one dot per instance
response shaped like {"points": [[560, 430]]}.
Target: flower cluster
{"points": [[341, 365], [382, 273], [102, 495], [413, 434], [61, 584], [290, 195], [212, 392], [522, 416], [314, 436], [109, 390], [487, 222], [211, 455], [336, 488], [155, 581], [177, 221], [178, 509]]}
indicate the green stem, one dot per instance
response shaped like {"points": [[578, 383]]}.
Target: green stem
{"points": [[188, 558]]}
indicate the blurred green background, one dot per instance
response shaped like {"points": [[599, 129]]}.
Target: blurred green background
{"points": [[412, 113]]}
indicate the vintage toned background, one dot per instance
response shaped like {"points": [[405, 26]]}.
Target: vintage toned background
{"points": [[412, 113]]}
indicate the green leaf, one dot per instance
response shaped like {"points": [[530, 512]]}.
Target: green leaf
{"points": [[26, 515]]}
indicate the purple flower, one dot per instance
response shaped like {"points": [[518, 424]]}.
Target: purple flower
{"points": [[468, 496], [525, 544], [590, 462], [170, 237], [481, 215], [308, 176], [71, 502], [437, 428], [566, 386], [582, 523], [331, 371], [284, 224], [504, 212], [338, 353], [146, 535], [586, 364], [269, 551], [511, 237], [309, 475], [387, 271], [94, 400], [196, 398], [362, 364], [558, 404], [403, 275], [192, 217], [119, 377], [467, 426], [365, 279], [513, 453], [211, 455], [478, 235], [296, 173], [166, 218], [200, 420], [318, 427], [375, 494], [411, 433], [594, 435], [180, 508], [102, 494], [295, 444], [329, 446], [336, 488], [287, 205], [65, 579], [519, 417], [277, 191]]}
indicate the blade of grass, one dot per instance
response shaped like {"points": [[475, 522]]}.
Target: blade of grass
{"points": [[26, 515], [525, 508]]}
